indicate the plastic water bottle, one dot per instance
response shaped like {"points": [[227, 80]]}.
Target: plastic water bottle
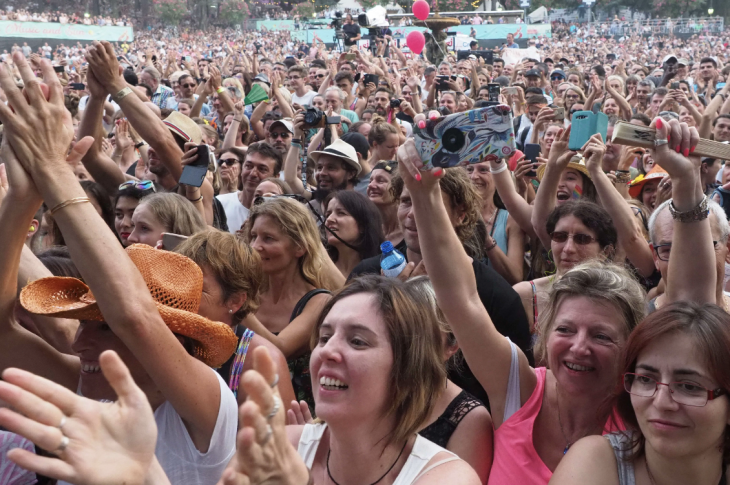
{"points": [[392, 262]]}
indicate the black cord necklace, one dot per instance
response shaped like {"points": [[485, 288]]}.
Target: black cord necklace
{"points": [[376, 481]]}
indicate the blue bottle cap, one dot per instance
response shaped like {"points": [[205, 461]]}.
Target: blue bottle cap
{"points": [[386, 247]]}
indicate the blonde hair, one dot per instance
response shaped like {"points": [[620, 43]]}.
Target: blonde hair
{"points": [[175, 212], [297, 224], [418, 373], [614, 77], [603, 282], [236, 267]]}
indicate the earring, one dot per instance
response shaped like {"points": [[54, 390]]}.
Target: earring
{"points": [[230, 311]]}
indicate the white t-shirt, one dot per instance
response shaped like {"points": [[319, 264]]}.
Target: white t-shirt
{"points": [[181, 460], [304, 100], [236, 213]]}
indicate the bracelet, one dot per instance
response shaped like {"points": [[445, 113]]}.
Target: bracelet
{"points": [[622, 178], [492, 246], [196, 200], [121, 94], [140, 145], [297, 142], [697, 214], [220, 89], [622, 171], [75, 200], [237, 121], [499, 170]]}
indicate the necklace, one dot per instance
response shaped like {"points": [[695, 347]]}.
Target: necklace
{"points": [[376, 481], [648, 471], [491, 219], [560, 422]]}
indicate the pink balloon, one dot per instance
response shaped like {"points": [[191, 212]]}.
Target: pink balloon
{"points": [[415, 41], [421, 9]]}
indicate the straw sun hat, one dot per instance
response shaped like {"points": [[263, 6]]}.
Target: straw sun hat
{"points": [[176, 285]]}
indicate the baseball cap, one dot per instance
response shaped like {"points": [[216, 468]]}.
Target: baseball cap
{"points": [[558, 72], [533, 72], [358, 142], [286, 123]]}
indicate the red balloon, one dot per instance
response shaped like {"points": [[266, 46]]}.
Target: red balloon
{"points": [[416, 41], [421, 9]]}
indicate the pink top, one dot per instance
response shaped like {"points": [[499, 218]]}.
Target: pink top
{"points": [[515, 458]]}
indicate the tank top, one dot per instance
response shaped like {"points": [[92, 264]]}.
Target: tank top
{"points": [[621, 444], [499, 230], [440, 431], [423, 451]]}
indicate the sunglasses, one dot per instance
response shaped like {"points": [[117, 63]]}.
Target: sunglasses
{"points": [[141, 185], [579, 239], [283, 135], [320, 75], [188, 85], [227, 161]]}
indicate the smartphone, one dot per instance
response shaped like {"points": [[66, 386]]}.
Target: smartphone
{"points": [[510, 91], [474, 136], [170, 241], [194, 174], [77, 86], [441, 82], [559, 114], [370, 78], [350, 57], [494, 90], [532, 151], [674, 85], [58, 69], [584, 125]]}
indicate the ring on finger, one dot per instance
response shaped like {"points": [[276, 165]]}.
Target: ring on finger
{"points": [[62, 446], [658, 143], [275, 408], [62, 424], [276, 381], [267, 436]]}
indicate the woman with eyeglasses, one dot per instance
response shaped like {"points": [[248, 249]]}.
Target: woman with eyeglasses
{"points": [[229, 167], [573, 95], [673, 401]]}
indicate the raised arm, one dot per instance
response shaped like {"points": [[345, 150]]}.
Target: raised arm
{"points": [[40, 133], [630, 236], [292, 159], [516, 205], [692, 273], [545, 199], [487, 352]]}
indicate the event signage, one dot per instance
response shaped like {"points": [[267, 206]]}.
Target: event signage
{"points": [[52, 30]]}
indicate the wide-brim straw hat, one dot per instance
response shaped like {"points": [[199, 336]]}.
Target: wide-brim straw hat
{"points": [[176, 285], [184, 127], [656, 173], [576, 163]]}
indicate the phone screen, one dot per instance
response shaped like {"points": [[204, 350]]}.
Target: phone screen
{"points": [[194, 174], [494, 90], [532, 151]]}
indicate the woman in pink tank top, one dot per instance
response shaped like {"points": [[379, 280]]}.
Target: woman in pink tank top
{"points": [[538, 413]]}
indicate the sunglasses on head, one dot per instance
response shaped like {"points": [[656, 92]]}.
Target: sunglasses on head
{"points": [[138, 184], [580, 239]]}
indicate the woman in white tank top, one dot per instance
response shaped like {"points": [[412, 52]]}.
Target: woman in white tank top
{"points": [[371, 401]]}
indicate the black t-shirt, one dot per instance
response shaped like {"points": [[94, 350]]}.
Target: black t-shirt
{"points": [[501, 302], [352, 30], [404, 117]]}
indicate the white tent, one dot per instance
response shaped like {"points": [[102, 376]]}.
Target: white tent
{"points": [[539, 15]]}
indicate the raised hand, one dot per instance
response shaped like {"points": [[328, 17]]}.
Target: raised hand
{"points": [[560, 155], [593, 151], [95, 443], [104, 65], [264, 454], [37, 124], [299, 414]]}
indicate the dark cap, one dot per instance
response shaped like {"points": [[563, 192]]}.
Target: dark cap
{"points": [[533, 72], [358, 142], [558, 72]]}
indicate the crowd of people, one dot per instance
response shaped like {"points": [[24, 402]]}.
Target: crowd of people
{"points": [[191, 287], [23, 15]]}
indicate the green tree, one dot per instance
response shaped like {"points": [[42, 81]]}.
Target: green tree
{"points": [[233, 12], [170, 11]]}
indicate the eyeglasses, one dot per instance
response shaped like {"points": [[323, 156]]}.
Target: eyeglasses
{"points": [[188, 85], [320, 75], [283, 135], [574, 111], [686, 393], [141, 185], [579, 239], [227, 161], [571, 96], [663, 251]]}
